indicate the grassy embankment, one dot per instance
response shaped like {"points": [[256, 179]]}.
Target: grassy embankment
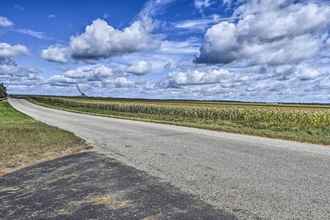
{"points": [[24, 140], [304, 123]]}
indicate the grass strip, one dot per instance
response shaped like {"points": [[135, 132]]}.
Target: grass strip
{"points": [[24, 140]]}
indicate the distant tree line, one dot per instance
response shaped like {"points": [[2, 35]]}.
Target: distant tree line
{"points": [[3, 91]]}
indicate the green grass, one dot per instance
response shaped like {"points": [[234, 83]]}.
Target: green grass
{"points": [[24, 140], [304, 123]]}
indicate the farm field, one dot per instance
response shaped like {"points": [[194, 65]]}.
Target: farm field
{"points": [[24, 140], [304, 123]]}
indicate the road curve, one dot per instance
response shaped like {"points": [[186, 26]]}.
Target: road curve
{"points": [[251, 176]]}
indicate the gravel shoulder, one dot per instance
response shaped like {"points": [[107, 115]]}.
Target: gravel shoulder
{"points": [[250, 176]]}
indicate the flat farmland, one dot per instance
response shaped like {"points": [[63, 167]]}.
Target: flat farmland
{"points": [[303, 123]]}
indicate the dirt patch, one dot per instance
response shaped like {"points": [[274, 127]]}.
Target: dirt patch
{"points": [[108, 200], [18, 164]]}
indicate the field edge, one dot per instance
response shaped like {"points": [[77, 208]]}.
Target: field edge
{"points": [[242, 131]]}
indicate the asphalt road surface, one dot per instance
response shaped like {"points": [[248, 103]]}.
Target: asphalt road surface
{"points": [[251, 177], [93, 186]]}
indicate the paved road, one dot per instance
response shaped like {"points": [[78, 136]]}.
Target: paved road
{"points": [[93, 186], [252, 177]]}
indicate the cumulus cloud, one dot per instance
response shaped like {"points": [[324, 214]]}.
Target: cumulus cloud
{"points": [[270, 49], [5, 22], [10, 73], [101, 40], [268, 32], [289, 83], [90, 73], [307, 73], [122, 82], [56, 54], [7, 50], [202, 76], [13, 75], [220, 45], [140, 68], [98, 76], [83, 74]]}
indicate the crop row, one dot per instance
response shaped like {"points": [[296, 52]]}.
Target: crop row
{"points": [[272, 117]]}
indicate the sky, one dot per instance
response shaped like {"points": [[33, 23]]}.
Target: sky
{"points": [[246, 50]]}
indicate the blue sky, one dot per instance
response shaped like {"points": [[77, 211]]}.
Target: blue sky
{"points": [[250, 50]]}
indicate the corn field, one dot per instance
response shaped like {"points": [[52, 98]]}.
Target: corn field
{"points": [[248, 116]]}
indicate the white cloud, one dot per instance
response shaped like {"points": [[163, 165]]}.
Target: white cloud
{"points": [[152, 7], [220, 45], [256, 83], [5, 22], [61, 81], [140, 68], [13, 75], [92, 77], [32, 33], [10, 73], [56, 54], [122, 82], [200, 4], [197, 24], [198, 76], [100, 40], [90, 73], [270, 49], [268, 32], [179, 47], [308, 73], [284, 51], [7, 50], [293, 20]]}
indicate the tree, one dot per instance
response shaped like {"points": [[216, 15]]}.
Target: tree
{"points": [[3, 91]]}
